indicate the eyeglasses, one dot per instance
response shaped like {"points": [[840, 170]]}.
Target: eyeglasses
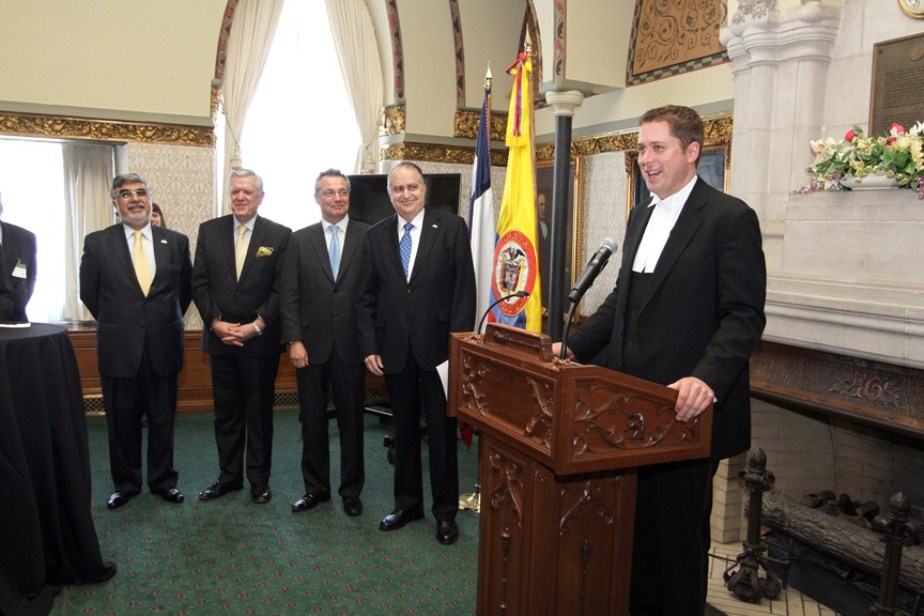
{"points": [[330, 192], [397, 190], [128, 194]]}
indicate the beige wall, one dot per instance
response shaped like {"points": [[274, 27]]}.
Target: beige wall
{"points": [[110, 59]]}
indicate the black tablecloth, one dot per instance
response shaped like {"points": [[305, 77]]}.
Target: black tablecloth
{"points": [[47, 536]]}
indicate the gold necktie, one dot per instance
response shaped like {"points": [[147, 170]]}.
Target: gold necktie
{"points": [[142, 269], [240, 249]]}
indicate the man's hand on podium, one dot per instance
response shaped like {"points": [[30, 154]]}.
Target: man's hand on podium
{"points": [[693, 397], [556, 351]]}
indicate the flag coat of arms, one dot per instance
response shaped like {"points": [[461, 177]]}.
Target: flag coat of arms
{"points": [[516, 254]]}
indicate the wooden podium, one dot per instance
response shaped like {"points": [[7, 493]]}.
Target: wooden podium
{"points": [[559, 447]]}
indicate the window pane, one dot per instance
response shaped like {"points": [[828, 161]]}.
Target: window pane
{"points": [[300, 121], [32, 188]]}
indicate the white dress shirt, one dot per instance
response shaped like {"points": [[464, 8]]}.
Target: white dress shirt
{"points": [[662, 221], [147, 241], [342, 225]]}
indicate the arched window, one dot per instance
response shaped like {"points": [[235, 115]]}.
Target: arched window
{"points": [[300, 121]]}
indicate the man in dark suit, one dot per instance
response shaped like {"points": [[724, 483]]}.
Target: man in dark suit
{"points": [[419, 285], [7, 296], [687, 312], [236, 277], [318, 305], [135, 280], [19, 263]]}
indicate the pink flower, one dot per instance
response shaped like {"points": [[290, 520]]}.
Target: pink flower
{"points": [[896, 128], [890, 140], [850, 136]]}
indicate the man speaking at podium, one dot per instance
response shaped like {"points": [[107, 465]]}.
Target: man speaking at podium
{"points": [[687, 312]]}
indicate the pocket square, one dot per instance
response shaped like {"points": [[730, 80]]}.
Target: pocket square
{"points": [[265, 251]]}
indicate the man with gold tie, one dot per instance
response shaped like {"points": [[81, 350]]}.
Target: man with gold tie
{"points": [[135, 278], [236, 277]]}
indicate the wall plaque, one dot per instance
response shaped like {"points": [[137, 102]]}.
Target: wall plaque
{"points": [[898, 81]]}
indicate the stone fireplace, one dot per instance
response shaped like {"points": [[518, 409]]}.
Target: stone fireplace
{"points": [[838, 381], [832, 422]]}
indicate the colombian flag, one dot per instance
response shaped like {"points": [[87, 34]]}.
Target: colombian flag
{"points": [[516, 254]]}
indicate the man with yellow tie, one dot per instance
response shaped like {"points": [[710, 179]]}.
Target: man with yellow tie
{"points": [[135, 278], [236, 277]]}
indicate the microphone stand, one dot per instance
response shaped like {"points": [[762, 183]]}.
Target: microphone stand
{"points": [[564, 335], [491, 307]]}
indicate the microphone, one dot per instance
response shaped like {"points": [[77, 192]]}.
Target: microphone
{"points": [[593, 269], [491, 307]]}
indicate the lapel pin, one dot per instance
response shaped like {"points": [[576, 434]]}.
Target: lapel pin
{"points": [[163, 241], [435, 226]]}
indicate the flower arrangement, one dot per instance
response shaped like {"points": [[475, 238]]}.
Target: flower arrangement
{"points": [[898, 155]]}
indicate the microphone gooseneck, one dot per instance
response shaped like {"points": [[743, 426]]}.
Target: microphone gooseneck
{"points": [[491, 307]]}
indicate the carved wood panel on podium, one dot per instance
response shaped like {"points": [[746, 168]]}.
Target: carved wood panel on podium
{"points": [[559, 447]]}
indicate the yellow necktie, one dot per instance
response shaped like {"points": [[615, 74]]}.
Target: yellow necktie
{"points": [[240, 249], [142, 269]]}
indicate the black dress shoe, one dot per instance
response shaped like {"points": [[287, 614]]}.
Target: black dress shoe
{"points": [[309, 501], [118, 499], [352, 506], [171, 496], [217, 489], [447, 532], [260, 493], [398, 518]]}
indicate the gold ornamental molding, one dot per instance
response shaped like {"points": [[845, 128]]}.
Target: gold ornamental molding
{"points": [[465, 124], [393, 120], [433, 153], [27, 125], [717, 132]]}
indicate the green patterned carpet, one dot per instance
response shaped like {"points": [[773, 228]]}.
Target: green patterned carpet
{"points": [[232, 556]]}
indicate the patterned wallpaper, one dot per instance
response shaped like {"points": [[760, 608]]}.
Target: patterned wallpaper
{"points": [[183, 181], [605, 194]]}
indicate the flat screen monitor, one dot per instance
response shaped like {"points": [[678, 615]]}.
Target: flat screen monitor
{"points": [[369, 202]]}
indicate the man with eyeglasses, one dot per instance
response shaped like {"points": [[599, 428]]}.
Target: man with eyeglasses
{"points": [[236, 277], [318, 306], [418, 286], [135, 280]]}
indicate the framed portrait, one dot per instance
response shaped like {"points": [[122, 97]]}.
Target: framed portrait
{"points": [[574, 232], [714, 165]]}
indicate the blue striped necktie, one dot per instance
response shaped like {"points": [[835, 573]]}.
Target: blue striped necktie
{"points": [[405, 247]]}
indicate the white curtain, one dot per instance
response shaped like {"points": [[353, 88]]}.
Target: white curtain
{"points": [[88, 173], [248, 46], [354, 37]]}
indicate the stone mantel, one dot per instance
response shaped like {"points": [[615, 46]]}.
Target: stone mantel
{"points": [[849, 278]]}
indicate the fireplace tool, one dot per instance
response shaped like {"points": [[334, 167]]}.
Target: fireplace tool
{"points": [[897, 531], [746, 582]]}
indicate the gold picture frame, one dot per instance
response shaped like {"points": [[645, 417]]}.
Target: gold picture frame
{"points": [[575, 232]]}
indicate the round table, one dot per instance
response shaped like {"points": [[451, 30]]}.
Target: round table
{"points": [[46, 531]]}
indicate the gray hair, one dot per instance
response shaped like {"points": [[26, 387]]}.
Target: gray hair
{"points": [[127, 178], [330, 173], [240, 172]]}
